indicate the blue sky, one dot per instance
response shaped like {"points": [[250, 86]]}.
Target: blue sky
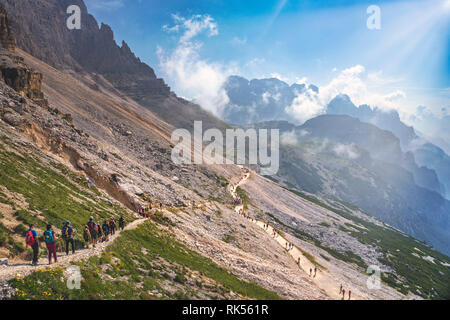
{"points": [[295, 41]]}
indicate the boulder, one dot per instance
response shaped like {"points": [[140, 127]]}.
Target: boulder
{"points": [[13, 119]]}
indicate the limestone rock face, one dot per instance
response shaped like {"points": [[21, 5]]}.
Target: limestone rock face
{"points": [[14, 71], [6, 34]]}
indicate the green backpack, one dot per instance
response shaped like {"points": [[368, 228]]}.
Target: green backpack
{"points": [[48, 237]]}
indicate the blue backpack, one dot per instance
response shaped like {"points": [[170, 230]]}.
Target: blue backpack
{"points": [[48, 237]]}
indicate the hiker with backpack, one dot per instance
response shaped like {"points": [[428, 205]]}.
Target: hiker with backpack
{"points": [[105, 229], [50, 242], [86, 236], [100, 233], [349, 294], [112, 226], [121, 223], [31, 239], [67, 234], [93, 230]]}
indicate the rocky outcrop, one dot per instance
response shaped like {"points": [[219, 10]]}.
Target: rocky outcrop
{"points": [[6, 34], [14, 71], [21, 77]]}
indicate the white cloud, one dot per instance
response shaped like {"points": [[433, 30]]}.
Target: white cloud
{"points": [[267, 95], [239, 41], [302, 80], [350, 82], [189, 74], [346, 151], [289, 137], [396, 95], [279, 77], [193, 26]]}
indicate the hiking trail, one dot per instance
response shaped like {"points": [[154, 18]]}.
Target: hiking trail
{"points": [[323, 279], [23, 269]]}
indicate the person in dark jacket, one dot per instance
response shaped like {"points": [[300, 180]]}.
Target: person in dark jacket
{"points": [[105, 229], [31, 239], [67, 234]]}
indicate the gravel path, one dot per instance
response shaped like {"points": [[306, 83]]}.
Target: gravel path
{"points": [[323, 279], [14, 270]]}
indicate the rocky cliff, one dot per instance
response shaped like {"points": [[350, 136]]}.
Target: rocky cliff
{"points": [[14, 71], [6, 34], [41, 30]]}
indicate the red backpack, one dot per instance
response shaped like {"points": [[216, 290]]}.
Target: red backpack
{"points": [[29, 238]]}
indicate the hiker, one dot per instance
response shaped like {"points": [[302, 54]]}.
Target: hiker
{"points": [[67, 234], [86, 236], [49, 238], [343, 294], [315, 271], [340, 289], [298, 261], [93, 231], [310, 272], [100, 233], [31, 239], [105, 229], [160, 205], [121, 223], [112, 226], [349, 294]]}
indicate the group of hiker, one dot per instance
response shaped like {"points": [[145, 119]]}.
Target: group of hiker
{"points": [[342, 291], [311, 271], [237, 201], [145, 212], [92, 232], [289, 246]]}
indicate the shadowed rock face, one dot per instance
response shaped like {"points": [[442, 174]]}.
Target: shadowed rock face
{"points": [[14, 71], [6, 34]]}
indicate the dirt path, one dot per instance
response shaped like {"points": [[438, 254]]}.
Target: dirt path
{"points": [[323, 279], [23, 269]]}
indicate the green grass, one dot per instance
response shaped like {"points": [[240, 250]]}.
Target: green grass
{"points": [[129, 266], [412, 274], [243, 195], [51, 190]]}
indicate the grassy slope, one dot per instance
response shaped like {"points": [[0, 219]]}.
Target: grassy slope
{"points": [[146, 263], [412, 273], [53, 194]]}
